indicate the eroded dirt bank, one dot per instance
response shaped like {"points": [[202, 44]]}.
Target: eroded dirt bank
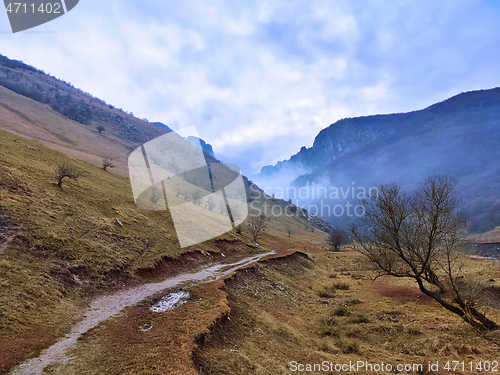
{"points": [[328, 308], [104, 307]]}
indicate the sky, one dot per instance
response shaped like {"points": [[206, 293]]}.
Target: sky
{"points": [[260, 79]]}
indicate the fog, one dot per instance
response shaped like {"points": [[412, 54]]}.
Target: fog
{"points": [[459, 137]]}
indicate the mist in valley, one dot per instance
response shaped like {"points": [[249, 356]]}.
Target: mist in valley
{"points": [[459, 137]]}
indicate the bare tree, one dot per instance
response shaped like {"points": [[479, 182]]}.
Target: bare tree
{"points": [[107, 163], [256, 224], [66, 171], [288, 229], [100, 128], [336, 238], [417, 235]]}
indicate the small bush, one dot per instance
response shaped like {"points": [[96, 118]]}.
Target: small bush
{"points": [[359, 318], [327, 292], [330, 321], [66, 171], [341, 311], [341, 286], [107, 163], [354, 332], [328, 326], [348, 346]]}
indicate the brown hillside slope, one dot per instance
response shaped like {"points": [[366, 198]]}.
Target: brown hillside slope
{"points": [[492, 236], [60, 247], [40, 107], [38, 122]]}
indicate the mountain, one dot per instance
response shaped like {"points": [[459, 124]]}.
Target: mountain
{"points": [[162, 125], [200, 143], [459, 137], [195, 141]]}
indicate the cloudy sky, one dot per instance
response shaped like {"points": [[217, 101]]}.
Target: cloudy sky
{"points": [[260, 79]]}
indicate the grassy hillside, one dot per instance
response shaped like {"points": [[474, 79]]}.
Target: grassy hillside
{"points": [[37, 121], [40, 107], [327, 307], [58, 247], [61, 245], [309, 307]]}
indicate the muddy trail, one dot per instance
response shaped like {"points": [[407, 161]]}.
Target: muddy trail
{"points": [[104, 307]]}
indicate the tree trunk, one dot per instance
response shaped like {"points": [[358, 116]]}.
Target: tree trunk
{"points": [[469, 314]]}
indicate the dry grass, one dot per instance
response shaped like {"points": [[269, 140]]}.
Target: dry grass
{"points": [[66, 245], [270, 328], [62, 246], [119, 346]]}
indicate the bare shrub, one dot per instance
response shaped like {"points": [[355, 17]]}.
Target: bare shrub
{"points": [[327, 291], [256, 224], [336, 238], [107, 163], [341, 311], [341, 286], [417, 235], [66, 171]]}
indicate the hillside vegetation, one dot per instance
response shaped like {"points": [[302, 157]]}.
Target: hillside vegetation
{"points": [[320, 306], [61, 246], [43, 108]]}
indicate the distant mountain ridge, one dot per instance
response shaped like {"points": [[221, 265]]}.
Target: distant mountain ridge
{"points": [[195, 141], [459, 136], [331, 143], [162, 125], [200, 142]]}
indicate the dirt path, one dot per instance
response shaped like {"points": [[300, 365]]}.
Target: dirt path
{"points": [[104, 307]]}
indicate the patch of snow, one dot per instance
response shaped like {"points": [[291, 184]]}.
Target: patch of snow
{"points": [[170, 302]]}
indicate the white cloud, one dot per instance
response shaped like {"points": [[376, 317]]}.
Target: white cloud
{"points": [[267, 75]]}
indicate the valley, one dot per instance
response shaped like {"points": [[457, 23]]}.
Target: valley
{"points": [[81, 264]]}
